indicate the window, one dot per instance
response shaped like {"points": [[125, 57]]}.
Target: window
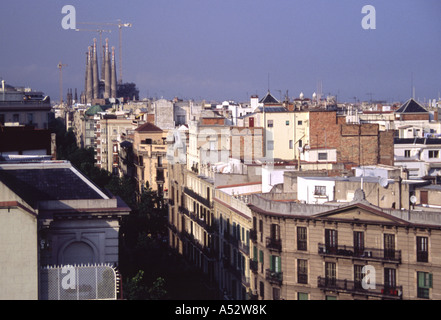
{"points": [[320, 191], [300, 122], [287, 122], [330, 273], [262, 289], [276, 293], [275, 264], [433, 154], [300, 143], [358, 276], [270, 123], [323, 156], [422, 249], [425, 281], [291, 144], [301, 239], [407, 153], [302, 296], [275, 231], [270, 145], [331, 298], [331, 240], [302, 271], [15, 117], [358, 243], [390, 278], [389, 246], [30, 118]]}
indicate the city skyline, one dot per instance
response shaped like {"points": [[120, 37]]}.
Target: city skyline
{"points": [[229, 50]]}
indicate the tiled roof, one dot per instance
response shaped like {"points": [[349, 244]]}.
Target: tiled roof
{"points": [[411, 106], [148, 127], [269, 98]]}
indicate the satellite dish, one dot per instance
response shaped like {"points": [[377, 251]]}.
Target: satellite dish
{"points": [[413, 199], [383, 182]]}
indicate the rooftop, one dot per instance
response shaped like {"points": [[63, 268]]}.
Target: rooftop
{"points": [[411, 106], [48, 181]]}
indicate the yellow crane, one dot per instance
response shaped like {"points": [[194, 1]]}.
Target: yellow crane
{"points": [[60, 67], [120, 25]]}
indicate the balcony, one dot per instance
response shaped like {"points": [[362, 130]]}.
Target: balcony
{"points": [[355, 287], [351, 252], [274, 277], [253, 265], [184, 211], [274, 244], [198, 197]]}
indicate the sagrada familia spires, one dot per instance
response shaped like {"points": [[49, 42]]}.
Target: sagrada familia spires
{"points": [[104, 86]]}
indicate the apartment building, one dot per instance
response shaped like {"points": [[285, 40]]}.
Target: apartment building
{"points": [[149, 155], [351, 251], [421, 156], [108, 131], [24, 106]]}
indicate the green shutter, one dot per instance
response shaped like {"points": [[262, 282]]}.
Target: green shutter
{"points": [[260, 256], [430, 280], [254, 253], [271, 263]]}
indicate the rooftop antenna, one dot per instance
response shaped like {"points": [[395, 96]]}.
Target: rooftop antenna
{"points": [[268, 82]]}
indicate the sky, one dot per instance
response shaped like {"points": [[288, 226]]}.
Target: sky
{"points": [[231, 49]]}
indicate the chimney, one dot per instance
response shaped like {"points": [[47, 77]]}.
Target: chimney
{"points": [[113, 75], [95, 72], [89, 83], [3, 90], [106, 72]]}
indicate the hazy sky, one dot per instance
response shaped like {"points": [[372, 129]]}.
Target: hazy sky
{"points": [[225, 49]]}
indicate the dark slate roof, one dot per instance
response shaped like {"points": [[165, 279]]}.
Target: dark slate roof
{"points": [[411, 106], [272, 109], [148, 127], [34, 185], [269, 98], [425, 141]]}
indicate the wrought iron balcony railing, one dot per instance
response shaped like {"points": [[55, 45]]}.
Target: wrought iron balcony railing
{"points": [[274, 244], [274, 277], [360, 253], [379, 290]]}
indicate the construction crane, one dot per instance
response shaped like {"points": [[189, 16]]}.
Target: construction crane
{"points": [[100, 32], [120, 25], [60, 67]]}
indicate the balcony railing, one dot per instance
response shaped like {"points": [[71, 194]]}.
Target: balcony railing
{"points": [[274, 244], [198, 198], [253, 265], [379, 290], [360, 253], [184, 210], [274, 277]]}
